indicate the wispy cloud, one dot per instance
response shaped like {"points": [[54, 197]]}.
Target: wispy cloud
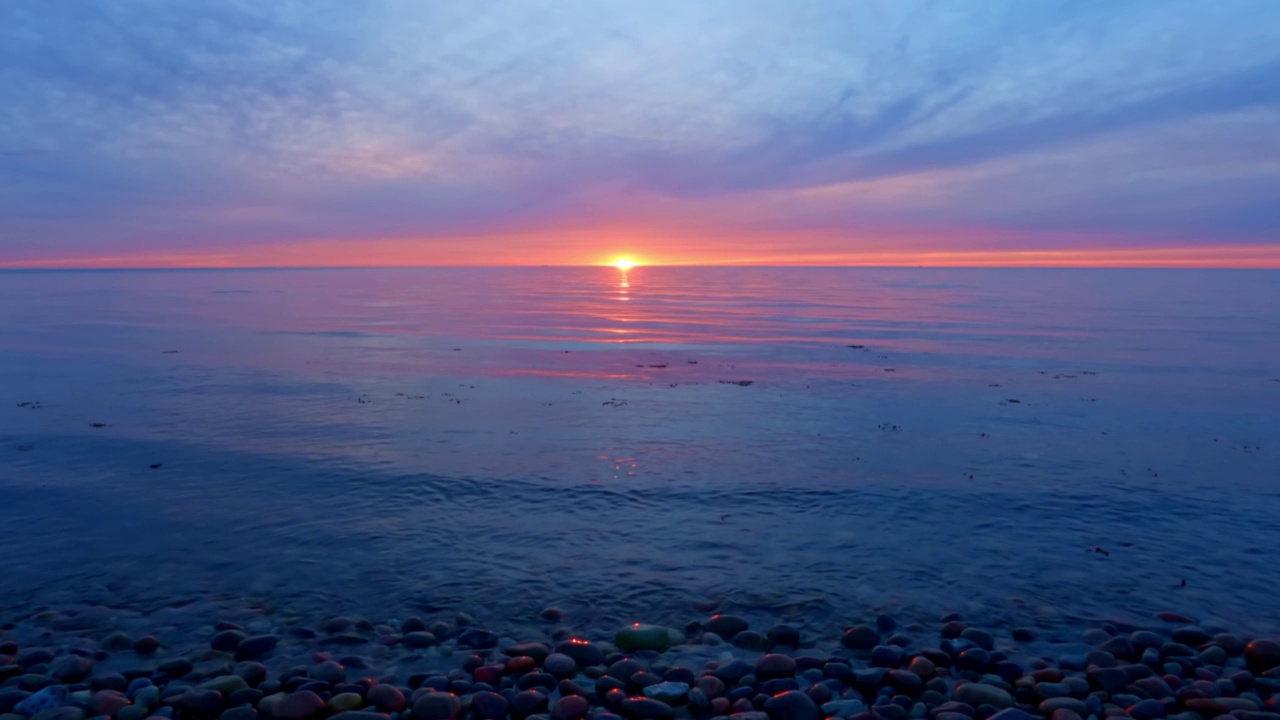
{"points": [[158, 129]]}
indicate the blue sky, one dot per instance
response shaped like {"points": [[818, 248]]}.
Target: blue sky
{"points": [[260, 132]]}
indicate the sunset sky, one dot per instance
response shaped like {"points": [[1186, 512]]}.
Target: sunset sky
{"points": [[182, 133]]}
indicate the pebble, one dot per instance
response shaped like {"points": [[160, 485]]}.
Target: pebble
{"points": [[60, 713], [860, 637], [668, 692], [560, 665], [976, 694], [386, 697], [570, 707], [256, 647], [202, 702], [70, 668], [328, 671], [775, 666], [646, 708], [298, 705], [1262, 655], [436, 706], [726, 626], [792, 705], [489, 705], [108, 702]]}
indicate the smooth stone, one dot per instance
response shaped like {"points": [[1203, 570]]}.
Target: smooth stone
{"points": [[108, 702], [489, 705], [726, 626], [1075, 705], [201, 701], [527, 703], [981, 638], [345, 702], [478, 638], [328, 671], [585, 653], [436, 706], [31, 704], [147, 697], [643, 637], [906, 681], [238, 713], [976, 694], [245, 696], [1147, 710], [792, 705], [132, 712], [783, 636], [1012, 713], [418, 639], [570, 707], [536, 650], [60, 713], [860, 637], [70, 668], [225, 684], [227, 640], [1111, 680], [749, 640], [671, 693], [888, 656], [386, 697], [1262, 655], [252, 672], [648, 708], [732, 671], [774, 665], [298, 705], [1190, 635], [1065, 714], [256, 647], [1143, 639], [560, 665]]}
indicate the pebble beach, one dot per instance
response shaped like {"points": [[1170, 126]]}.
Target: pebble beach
{"points": [[94, 662]]}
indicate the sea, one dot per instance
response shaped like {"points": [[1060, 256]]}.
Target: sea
{"points": [[1046, 447]]}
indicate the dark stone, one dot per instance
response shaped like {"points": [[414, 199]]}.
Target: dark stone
{"points": [[749, 640], [584, 653], [779, 685], [644, 708], [175, 667], [298, 706], [529, 702], [1190, 635], [1024, 635], [1262, 655], [478, 638], [792, 705], [239, 713], [489, 706], [726, 626], [1147, 710], [202, 702], [784, 636], [978, 694], [975, 659], [952, 629], [906, 681], [860, 637], [536, 650], [70, 668], [227, 640], [887, 656], [981, 638], [570, 707], [732, 671], [252, 672], [436, 706], [245, 696], [775, 666], [386, 697], [256, 647]]}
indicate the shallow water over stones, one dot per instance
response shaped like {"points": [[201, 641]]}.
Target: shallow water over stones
{"points": [[1051, 449]]}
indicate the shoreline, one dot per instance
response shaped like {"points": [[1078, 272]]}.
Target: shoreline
{"points": [[94, 662]]}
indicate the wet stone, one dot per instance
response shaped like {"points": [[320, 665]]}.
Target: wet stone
{"points": [[227, 640], [202, 701], [981, 638], [386, 697], [775, 666], [298, 706], [70, 668], [726, 626], [860, 637], [489, 705], [792, 705], [256, 647], [436, 706], [975, 694], [646, 708]]}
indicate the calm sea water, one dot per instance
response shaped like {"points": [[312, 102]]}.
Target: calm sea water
{"points": [[815, 443]]}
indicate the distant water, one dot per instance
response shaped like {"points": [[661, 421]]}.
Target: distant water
{"points": [[816, 443]]}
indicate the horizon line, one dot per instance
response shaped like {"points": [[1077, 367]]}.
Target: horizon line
{"points": [[608, 266]]}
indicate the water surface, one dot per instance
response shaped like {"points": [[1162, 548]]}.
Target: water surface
{"points": [[801, 442]]}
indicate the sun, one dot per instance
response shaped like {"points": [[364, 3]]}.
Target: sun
{"points": [[624, 263]]}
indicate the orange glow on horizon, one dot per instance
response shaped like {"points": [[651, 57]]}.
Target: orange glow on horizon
{"points": [[664, 249]]}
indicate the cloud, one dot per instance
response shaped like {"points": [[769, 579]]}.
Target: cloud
{"points": [[172, 127]]}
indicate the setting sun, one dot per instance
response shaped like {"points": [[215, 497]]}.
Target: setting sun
{"points": [[624, 263]]}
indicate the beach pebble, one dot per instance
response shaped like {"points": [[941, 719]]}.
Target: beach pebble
{"points": [[108, 702], [328, 671], [227, 640], [527, 703], [60, 713], [975, 694], [1262, 655], [860, 637], [726, 626], [774, 665], [298, 705], [489, 705], [30, 704], [981, 638], [70, 668], [256, 647], [644, 708], [560, 665], [671, 693], [570, 707], [436, 706], [200, 701], [792, 705], [386, 697]]}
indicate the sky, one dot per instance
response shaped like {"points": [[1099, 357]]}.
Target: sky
{"points": [[138, 133]]}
